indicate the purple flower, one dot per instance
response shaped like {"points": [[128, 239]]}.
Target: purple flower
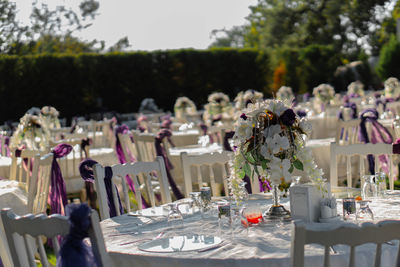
{"points": [[243, 116], [288, 117]]}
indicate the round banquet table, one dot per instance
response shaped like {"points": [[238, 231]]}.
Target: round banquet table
{"points": [[267, 245]]}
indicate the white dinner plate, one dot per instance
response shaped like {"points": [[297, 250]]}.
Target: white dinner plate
{"points": [[181, 244], [161, 211]]}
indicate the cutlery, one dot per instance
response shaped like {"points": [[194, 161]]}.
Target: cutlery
{"points": [[223, 243]]}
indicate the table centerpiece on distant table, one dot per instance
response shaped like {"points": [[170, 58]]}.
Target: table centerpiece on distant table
{"points": [[355, 89], [218, 108], [269, 144], [49, 117], [324, 94], [285, 93], [244, 98], [184, 106], [392, 88]]}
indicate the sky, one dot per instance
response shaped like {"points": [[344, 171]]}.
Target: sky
{"points": [[157, 24]]}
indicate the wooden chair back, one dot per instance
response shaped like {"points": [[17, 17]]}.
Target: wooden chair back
{"points": [[34, 227], [128, 147], [206, 160], [346, 234], [361, 150], [145, 147], [138, 171], [347, 132]]}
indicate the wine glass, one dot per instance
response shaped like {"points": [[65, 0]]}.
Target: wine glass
{"points": [[364, 213], [243, 194], [224, 217], [369, 188], [175, 218]]}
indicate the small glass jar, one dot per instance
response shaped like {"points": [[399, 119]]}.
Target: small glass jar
{"points": [[349, 208]]}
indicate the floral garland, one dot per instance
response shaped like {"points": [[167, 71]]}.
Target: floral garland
{"points": [[392, 88], [324, 93], [355, 89], [49, 117], [184, 105], [244, 98], [269, 143], [285, 93], [218, 108], [31, 133]]}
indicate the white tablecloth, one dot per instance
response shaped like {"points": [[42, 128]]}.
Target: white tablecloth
{"points": [[267, 245]]}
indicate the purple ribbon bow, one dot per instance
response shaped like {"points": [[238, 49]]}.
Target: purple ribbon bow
{"points": [[161, 151], [86, 171], [379, 134], [58, 193], [228, 135], [204, 128], [6, 145], [123, 129], [75, 252]]}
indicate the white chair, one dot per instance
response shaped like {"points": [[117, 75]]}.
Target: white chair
{"points": [[34, 183], [128, 147], [347, 132], [362, 150], [145, 146], [30, 226], [346, 234], [207, 160], [69, 166], [138, 171]]}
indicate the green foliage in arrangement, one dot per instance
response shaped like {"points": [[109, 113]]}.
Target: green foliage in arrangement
{"points": [[389, 65], [86, 83]]}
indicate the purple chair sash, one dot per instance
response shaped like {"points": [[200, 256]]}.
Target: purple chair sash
{"points": [[74, 124], [86, 171], [204, 128], [6, 145], [58, 193], [379, 134], [123, 129], [84, 143], [228, 135], [353, 107], [75, 252], [160, 150]]}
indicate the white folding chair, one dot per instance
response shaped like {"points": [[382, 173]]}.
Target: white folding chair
{"points": [[128, 147], [347, 132], [207, 160], [145, 146], [361, 150], [138, 171], [346, 234], [69, 166], [31, 226]]}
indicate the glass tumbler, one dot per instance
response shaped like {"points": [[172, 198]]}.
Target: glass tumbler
{"points": [[224, 218], [240, 225], [349, 208], [380, 180], [174, 219], [364, 213], [205, 196]]}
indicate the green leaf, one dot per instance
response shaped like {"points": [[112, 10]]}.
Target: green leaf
{"points": [[247, 169], [241, 173], [291, 169], [298, 165], [264, 164]]}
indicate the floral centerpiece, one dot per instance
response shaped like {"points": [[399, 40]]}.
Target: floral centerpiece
{"points": [[183, 106], [269, 144], [285, 93], [392, 88], [244, 98], [324, 93], [30, 133], [218, 108], [49, 117], [355, 89]]}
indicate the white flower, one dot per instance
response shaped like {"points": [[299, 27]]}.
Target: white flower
{"points": [[279, 169], [305, 126], [392, 87], [324, 92], [272, 131], [245, 129], [278, 143], [266, 151]]}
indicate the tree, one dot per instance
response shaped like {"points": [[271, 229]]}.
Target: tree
{"points": [[389, 65], [51, 30], [348, 25]]}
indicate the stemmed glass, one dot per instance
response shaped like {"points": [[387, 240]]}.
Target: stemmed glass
{"points": [[364, 213], [369, 187], [253, 214]]}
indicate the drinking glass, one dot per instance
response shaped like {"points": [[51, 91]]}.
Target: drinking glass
{"points": [[349, 208], [240, 225], [253, 214], [364, 213], [196, 201], [380, 180], [205, 196], [175, 218], [224, 218], [369, 187], [243, 194]]}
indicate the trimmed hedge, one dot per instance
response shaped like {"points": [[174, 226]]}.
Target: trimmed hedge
{"points": [[389, 64], [118, 82]]}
